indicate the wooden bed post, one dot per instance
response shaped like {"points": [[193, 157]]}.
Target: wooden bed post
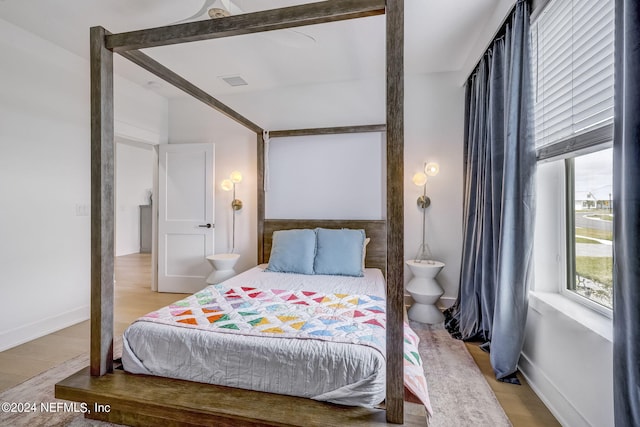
{"points": [[395, 209], [102, 204], [261, 196]]}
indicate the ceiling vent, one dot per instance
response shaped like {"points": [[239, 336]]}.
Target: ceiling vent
{"points": [[235, 81]]}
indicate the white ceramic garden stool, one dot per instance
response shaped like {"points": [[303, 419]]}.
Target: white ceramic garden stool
{"points": [[222, 267], [425, 291]]}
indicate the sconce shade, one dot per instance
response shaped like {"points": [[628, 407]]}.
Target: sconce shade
{"points": [[226, 185], [236, 204], [432, 169], [419, 179], [236, 177]]}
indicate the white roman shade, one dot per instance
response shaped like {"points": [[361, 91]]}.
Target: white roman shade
{"points": [[573, 68]]}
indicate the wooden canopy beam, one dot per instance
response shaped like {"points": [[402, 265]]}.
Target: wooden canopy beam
{"points": [[395, 210], [327, 131], [268, 20], [181, 83]]}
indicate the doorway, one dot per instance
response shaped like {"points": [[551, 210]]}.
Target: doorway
{"points": [[135, 171]]}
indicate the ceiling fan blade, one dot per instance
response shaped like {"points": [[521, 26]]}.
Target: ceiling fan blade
{"points": [[286, 37], [289, 38], [232, 7], [202, 12], [303, 38]]}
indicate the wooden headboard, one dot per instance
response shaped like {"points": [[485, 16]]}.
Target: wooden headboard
{"points": [[374, 229]]}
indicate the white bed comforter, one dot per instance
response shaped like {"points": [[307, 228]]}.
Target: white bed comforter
{"points": [[329, 371]]}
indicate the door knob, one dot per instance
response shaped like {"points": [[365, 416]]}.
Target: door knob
{"points": [[205, 225]]}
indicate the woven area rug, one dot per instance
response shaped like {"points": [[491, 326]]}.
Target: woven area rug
{"points": [[459, 394], [36, 405]]}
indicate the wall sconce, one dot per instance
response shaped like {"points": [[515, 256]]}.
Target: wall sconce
{"points": [[228, 185], [423, 202]]}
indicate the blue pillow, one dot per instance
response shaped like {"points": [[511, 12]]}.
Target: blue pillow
{"points": [[339, 252], [292, 251]]}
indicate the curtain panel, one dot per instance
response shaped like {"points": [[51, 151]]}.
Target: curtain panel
{"points": [[626, 221], [499, 197]]}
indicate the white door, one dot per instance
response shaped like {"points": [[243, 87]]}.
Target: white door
{"points": [[185, 216]]}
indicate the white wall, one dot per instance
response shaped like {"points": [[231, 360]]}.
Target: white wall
{"points": [[568, 363], [434, 123], [44, 182], [139, 114], [134, 182]]}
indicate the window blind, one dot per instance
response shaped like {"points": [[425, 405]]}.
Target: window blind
{"points": [[573, 65]]}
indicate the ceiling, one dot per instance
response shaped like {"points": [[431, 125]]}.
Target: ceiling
{"points": [[439, 36]]}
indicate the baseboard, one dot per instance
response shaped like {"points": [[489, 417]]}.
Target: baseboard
{"points": [[42, 327], [551, 396], [446, 302], [127, 251]]}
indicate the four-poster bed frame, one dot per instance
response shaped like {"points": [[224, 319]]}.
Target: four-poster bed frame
{"points": [[141, 400]]}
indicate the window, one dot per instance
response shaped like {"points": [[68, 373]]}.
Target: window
{"points": [[573, 68], [590, 226]]}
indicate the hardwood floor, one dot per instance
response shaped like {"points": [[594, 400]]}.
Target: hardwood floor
{"points": [[27, 360], [133, 298], [520, 403]]}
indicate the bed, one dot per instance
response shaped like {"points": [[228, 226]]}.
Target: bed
{"points": [[318, 336], [145, 400]]}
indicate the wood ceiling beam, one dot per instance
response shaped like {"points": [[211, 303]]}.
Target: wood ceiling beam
{"points": [[268, 20], [327, 131], [181, 83]]}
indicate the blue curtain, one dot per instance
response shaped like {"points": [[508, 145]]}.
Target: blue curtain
{"points": [[626, 221], [500, 164]]}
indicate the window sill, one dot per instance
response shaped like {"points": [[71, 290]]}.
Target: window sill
{"points": [[551, 302]]}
